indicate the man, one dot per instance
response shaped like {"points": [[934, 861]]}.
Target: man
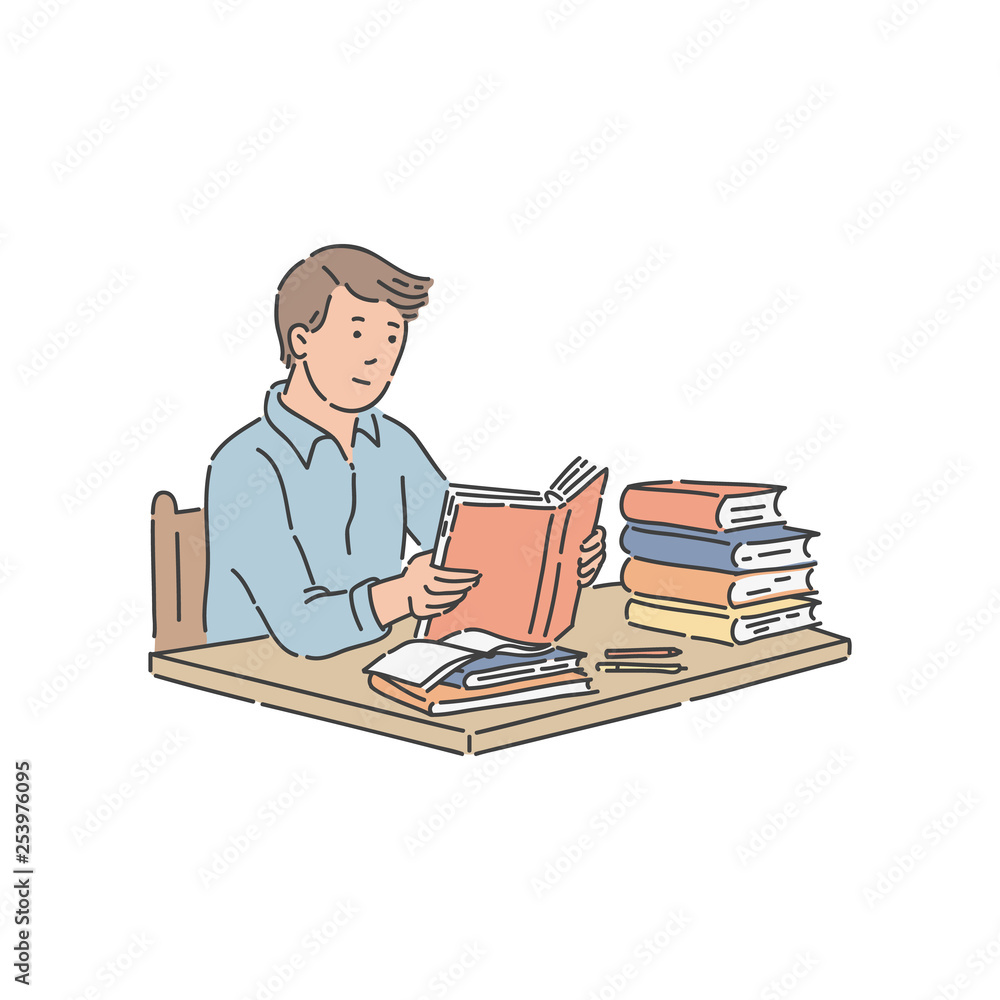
{"points": [[309, 506]]}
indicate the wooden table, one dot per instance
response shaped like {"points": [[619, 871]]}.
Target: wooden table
{"points": [[335, 689]]}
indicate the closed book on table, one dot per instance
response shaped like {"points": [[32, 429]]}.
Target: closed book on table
{"points": [[731, 627], [526, 544], [704, 506], [762, 548], [714, 588], [443, 698]]}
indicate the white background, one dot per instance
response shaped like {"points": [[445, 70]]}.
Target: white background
{"points": [[892, 459]]}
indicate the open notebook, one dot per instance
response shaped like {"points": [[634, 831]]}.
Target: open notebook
{"points": [[473, 670]]}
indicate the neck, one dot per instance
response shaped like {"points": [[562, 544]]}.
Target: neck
{"points": [[300, 396]]}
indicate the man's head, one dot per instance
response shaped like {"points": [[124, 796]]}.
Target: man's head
{"points": [[342, 315]]}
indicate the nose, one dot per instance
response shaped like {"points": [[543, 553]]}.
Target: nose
{"points": [[373, 360]]}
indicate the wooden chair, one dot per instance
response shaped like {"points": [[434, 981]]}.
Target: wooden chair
{"points": [[180, 560]]}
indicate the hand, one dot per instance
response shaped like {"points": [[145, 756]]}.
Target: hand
{"points": [[592, 553], [421, 590]]}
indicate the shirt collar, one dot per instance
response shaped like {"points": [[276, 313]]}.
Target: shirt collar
{"points": [[303, 435]]}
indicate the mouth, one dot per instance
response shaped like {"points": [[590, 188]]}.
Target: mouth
{"points": [[360, 381]]}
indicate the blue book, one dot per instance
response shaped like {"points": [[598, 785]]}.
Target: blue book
{"points": [[471, 659], [504, 668], [759, 548]]}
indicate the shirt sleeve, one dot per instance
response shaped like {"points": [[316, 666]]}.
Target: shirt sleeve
{"points": [[260, 548], [424, 486]]}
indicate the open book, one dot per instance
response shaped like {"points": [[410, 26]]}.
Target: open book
{"points": [[472, 659], [526, 545], [474, 670]]}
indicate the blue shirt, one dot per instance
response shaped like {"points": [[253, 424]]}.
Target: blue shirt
{"points": [[297, 535]]}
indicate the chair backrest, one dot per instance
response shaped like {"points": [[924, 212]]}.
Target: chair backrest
{"points": [[179, 554]]}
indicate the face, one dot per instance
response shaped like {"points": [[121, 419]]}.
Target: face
{"points": [[352, 357]]}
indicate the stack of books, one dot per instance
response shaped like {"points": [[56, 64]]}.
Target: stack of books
{"points": [[715, 561], [474, 669]]}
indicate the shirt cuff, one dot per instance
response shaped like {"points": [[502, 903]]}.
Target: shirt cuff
{"points": [[364, 611]]}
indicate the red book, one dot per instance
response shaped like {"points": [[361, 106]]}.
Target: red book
{"points": [[689, 503], [526, 545], [443, 698]]}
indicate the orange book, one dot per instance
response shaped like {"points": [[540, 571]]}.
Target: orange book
{"points": [[711, 587], [526, 545], [690, 503], [443, 698]]}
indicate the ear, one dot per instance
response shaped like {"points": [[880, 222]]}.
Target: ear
{"points": [[297, 342], [402, 347]]}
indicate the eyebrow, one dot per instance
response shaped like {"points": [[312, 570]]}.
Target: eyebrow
{"points": [[357, 319], [396, 325]]}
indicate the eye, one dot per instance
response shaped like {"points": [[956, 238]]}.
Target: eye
{"points": [[392, 338], [357, 334]]}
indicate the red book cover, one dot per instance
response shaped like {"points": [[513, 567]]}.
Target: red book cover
{"points": [[689, 503], [448, 698], [526, 545]]}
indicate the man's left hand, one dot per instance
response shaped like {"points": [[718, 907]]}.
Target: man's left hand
{"points": [[592, 553]]}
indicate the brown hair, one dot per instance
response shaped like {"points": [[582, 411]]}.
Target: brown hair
{"points": [[303, 293]]}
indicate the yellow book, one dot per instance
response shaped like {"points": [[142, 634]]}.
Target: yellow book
{"points": [[728, 627]]}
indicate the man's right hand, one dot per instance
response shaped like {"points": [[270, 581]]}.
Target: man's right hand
{"points": [[421, 590]]}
